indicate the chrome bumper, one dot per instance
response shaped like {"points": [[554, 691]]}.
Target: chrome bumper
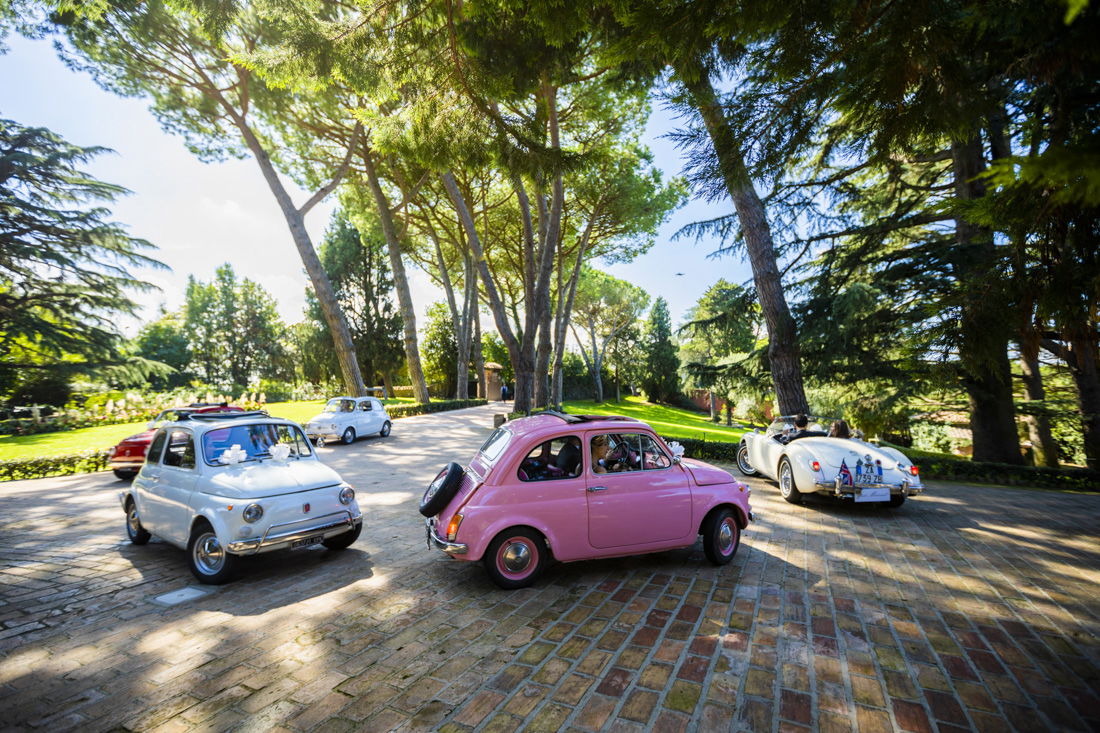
{"points": [[134, 462], [837, 489], [277, 536], [434, 540]]}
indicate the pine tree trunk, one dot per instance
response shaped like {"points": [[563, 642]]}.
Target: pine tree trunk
{"points": [[1080, 355], [1038, 425], [713, 406], [984, 329], [322, 287], [479, 353], [783, 346], [400, 280], [387, 385], [522, 355]]}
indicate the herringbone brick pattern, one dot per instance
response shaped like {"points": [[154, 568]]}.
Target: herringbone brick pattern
{"points": [[969, 608]]}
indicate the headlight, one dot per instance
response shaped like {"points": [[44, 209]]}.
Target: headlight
{"points": [[347, 494], [252, 513]]}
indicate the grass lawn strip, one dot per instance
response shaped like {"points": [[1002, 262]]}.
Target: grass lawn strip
{"points": [[668, 421], [67, 442]]}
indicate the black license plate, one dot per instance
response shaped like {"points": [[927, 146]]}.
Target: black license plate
{"points": [[306, 542]]}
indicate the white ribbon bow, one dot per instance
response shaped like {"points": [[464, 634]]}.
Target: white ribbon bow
{"points": [[677, 449], [280, 451], [233, 455]]}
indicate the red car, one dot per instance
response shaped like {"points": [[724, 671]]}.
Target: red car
{"points": [[125, 459]]}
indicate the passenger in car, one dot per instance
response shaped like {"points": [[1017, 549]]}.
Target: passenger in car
{"points": [[569, 457]]}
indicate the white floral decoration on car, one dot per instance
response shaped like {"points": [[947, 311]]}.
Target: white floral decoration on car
{"points": [[280, 451], [677, 449], [233, 455]]}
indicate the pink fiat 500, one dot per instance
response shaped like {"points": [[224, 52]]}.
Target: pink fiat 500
{"points": [[578, 487]]}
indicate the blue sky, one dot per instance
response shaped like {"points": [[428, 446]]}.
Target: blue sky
{"points": [[200, 215]]}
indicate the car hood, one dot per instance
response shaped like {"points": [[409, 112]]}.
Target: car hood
{"points": [[705, 474], [270, 478], [323, 417]]}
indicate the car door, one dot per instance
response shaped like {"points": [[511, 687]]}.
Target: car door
{"points": [[145, 485], [366, 417], [644, 499], [177, 482]]}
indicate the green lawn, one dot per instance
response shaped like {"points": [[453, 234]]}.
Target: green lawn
{"points": [[667, 421], [68, 442]]}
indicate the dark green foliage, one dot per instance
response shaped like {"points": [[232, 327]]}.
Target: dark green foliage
{"points": [[165, 340], [494, 349], [66, 272], [358, 268], [439, 350], [661, 379], [236, 335], [397, 411]]}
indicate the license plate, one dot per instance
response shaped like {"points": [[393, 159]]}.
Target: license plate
{"points": [[315, 539], [882, 494]]}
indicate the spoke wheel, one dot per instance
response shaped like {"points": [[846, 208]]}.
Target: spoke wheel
{"points": [[787, 488], [743, 464]]}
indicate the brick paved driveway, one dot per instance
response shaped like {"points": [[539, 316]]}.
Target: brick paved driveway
{"points": [[969, 608]]}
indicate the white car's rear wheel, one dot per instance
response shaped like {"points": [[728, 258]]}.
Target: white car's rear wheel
{"points": [[385, 429], [787, 488], [743, 464]]}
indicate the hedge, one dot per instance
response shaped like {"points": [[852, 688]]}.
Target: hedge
{"points": [[28, 468], [396, 411], [96, 460]]}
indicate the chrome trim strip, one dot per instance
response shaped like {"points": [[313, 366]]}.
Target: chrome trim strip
{"points": [[269, 541], [451, 548]]}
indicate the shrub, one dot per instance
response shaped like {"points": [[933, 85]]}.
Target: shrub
{"points": [[404, 410], [28, 468]]}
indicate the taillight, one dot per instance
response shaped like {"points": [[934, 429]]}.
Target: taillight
{"points": [[914, 470], [452, 527], [815, 465]]}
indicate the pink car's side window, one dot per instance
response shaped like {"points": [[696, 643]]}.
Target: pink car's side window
{"points": [[619, 452], [558, 458]]}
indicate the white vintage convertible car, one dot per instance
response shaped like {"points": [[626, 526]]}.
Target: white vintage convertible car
{"points": [[841, 467]]}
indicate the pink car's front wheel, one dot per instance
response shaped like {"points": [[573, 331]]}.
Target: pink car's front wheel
{"points": [[515, 558], [721, 536]]}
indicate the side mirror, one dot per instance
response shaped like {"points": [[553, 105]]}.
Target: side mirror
{"points": [[676, 460]]}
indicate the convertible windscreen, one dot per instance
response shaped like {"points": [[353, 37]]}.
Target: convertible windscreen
{"points": [[254, 440]]}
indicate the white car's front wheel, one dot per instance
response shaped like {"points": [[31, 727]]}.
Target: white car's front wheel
{"points": [[210, 562], [348, 437], [743, 464], [787, 488]]}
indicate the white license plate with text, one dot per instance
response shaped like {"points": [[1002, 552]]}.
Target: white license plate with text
{"points": [[882, 494]]}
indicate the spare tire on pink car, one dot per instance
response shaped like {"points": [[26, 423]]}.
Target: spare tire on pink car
{"points": [[441, 490]]}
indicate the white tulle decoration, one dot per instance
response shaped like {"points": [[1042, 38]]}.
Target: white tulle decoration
{"points": [[280, 451], [677, 449], [233, 455]]}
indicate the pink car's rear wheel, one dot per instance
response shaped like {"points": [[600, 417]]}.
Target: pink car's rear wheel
{"points": [[515, 558]]}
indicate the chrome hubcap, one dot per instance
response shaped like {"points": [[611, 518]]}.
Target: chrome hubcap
{"points": [[725, 537], [208, 553], [133, 521], [515, 557]]}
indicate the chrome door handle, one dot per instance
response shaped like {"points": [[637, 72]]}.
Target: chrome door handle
{"points": [[597, 488]]}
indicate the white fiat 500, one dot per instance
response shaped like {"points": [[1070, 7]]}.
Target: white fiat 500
{"points": [[226, 485], [348, 418]]}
